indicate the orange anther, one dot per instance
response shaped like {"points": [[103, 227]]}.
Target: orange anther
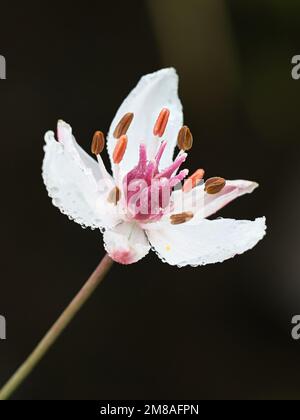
{"points": [[120, 149], [98, 143], [214, 185], [161, 122], [123, 125], [114, 196], [193, 180], [185, 139], [179, 219]]}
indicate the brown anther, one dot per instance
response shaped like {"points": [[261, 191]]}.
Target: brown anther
{"points": [[193, 180], [123, 125], [161, 122], [98, 143], [120, 149], [185, 139], [214, 185], [114, 196], [178, 219]]}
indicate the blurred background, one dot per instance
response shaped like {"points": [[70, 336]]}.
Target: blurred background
{"points": [[152, 331]]}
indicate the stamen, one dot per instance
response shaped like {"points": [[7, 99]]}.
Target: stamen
{"points": [[120, 149], [114, 196], [214, 185], [123, 125], [161, 122], [98, 143], [193, 180], [185, 139], [178, 219]]}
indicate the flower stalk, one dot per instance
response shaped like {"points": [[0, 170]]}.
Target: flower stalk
{"points": [[55, 331]]}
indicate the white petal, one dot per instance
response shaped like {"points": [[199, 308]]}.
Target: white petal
{"points": [[74, 181], [154, 92], [210, 241], [126, 243], [204, 205], [232, 190], [83, 160]]}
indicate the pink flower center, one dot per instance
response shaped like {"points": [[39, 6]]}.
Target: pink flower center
{"points": [[147, 190]]}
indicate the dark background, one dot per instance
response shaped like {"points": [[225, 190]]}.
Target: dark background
{"points": [[152, 331]]}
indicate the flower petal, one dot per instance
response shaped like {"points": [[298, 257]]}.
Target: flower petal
{"points": [[75, 183], [72, 148], [126, 243], [154, 92], [204, 205], [209, 242], [232, 190]]}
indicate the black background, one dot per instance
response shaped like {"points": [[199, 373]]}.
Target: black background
{"points": [[152, 331]]}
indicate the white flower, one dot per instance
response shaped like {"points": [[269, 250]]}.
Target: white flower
{"points": [[137, 208]]}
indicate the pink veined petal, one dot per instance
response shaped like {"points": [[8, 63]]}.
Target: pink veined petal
{"points": [[153, 92], [233, 189], [201, 204], [126, 243], [208, 242], [204, 205]]}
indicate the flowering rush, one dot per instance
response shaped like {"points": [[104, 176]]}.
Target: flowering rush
{"points": [[148, 201]]}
